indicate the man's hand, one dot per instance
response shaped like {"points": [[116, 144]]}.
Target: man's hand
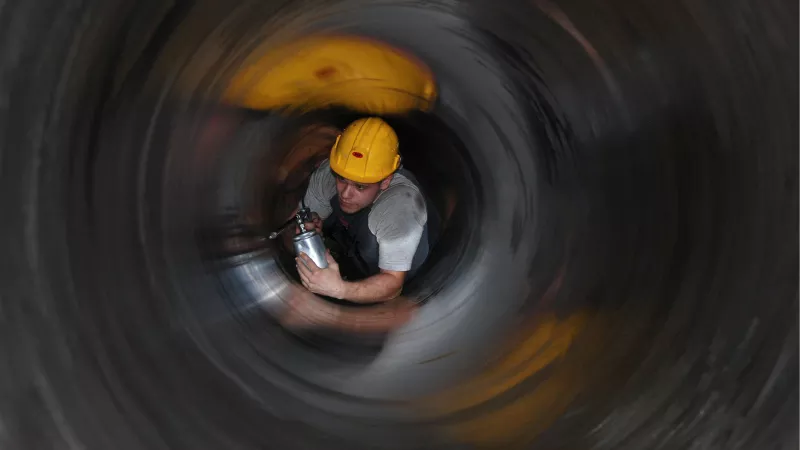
{"points": [[326, 281], [314, 225]]}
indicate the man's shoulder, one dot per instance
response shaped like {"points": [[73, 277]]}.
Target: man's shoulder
{"points": [[402, 191], [323, 171], [401, 194], [400, 202], [322, 185], [402, 183]]}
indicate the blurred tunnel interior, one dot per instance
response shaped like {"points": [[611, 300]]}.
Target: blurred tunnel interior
{"points": [[617, 266]]}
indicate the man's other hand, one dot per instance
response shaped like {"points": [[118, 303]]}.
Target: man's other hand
{"points": [[315, 225], [326, 281]]}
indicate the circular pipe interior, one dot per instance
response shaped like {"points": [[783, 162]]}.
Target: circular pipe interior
{"points": [[618, 267]]}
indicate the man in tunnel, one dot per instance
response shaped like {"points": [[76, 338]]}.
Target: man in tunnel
{"points": [[375, 219]]}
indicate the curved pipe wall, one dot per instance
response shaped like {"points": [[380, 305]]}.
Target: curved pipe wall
{"points": [[625, 275]]}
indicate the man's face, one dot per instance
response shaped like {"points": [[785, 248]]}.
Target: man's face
{"points": [[354, 197]]}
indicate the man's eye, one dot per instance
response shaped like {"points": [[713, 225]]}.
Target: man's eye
{"points": [[360, 187]]}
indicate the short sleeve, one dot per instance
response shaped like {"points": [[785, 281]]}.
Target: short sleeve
{"points": [[398, 219], [321, 188]]}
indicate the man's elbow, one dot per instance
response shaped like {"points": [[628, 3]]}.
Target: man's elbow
{"points": [[393, 291], [396, 293], [394, 284]]}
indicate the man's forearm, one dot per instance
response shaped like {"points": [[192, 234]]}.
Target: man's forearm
{"points": [[377, 288]]}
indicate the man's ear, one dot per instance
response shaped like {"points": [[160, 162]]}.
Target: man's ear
{"points": [[386, 181]]}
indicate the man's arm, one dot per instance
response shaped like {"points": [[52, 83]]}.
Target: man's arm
{"points": [[381, 287], [375, 289], [397, 220], [321, 187]]}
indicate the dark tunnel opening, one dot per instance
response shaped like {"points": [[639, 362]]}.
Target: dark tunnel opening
{"points": [[620, 271], [431, 151]]}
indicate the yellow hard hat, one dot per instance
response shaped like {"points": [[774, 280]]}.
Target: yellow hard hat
{"points": [[358, 73], [366, 152]]}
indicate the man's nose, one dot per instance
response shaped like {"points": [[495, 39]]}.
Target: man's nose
{"points": [[347, 192]]}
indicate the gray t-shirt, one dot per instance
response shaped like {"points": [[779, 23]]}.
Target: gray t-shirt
{"points": [[397, 218]]}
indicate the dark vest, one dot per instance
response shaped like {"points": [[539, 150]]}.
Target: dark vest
{"points": [[356, 248]]}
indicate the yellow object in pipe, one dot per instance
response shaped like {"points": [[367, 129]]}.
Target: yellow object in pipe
{"points": [[516, 423], [321, 71]]}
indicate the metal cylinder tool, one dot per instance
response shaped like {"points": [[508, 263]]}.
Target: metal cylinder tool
{"points": [[308, 242]]}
